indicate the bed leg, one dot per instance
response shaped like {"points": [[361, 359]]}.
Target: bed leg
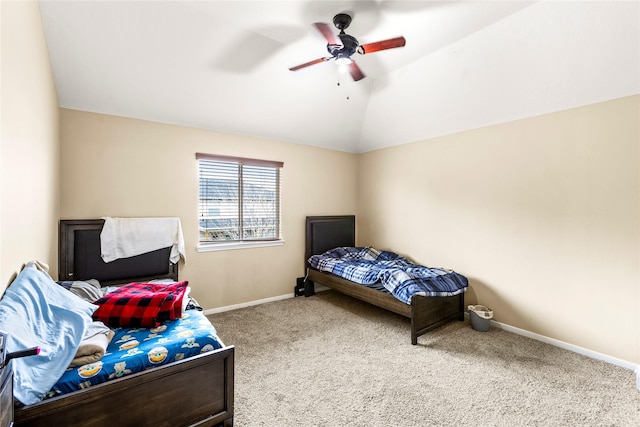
{"points": [[414, 327], [309, 288]]}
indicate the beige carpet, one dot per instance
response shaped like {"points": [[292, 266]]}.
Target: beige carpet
{"points": [[330, 360]]}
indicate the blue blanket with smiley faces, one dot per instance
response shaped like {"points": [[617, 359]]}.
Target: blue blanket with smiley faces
{"points": [[135, 349]]}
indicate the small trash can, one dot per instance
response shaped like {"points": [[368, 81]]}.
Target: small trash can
{"points": [[480, 317]]}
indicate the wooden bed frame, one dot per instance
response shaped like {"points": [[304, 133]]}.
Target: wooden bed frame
{"points": [[426, 313], [198, 391]]}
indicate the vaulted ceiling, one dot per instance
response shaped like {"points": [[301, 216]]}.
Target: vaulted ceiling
{"points": [[224, 65]]}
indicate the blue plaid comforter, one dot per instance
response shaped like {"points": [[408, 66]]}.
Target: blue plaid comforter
{"points": [[401, 277]]}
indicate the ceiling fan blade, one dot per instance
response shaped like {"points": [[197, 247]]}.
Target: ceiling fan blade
{"points": [[382, 45], [355, 72], [325, 30], [306, 64]]}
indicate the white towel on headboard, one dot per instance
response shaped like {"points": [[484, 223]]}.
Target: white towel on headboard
{"points": [[127, 237]]}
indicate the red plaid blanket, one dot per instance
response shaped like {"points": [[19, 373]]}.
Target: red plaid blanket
{"points": [[143, 305]]}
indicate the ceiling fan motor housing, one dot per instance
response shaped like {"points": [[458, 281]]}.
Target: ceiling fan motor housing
{"points": [[348, 48]]}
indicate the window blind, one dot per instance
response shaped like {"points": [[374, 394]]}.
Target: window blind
{"points": [[239, 199]]}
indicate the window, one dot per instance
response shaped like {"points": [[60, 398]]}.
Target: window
{"points": [[239, 201]]}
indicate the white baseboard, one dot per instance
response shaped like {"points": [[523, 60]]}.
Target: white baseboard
{"points": [[246, 304], [571, 347], [574, 348], [318, 288]]}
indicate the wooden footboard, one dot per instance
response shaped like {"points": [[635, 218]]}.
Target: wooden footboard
{"points": [[426, 313], [197, 391]]}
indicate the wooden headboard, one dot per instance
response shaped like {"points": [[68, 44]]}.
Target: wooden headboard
{"points": [[79, 257], [328, 232]]}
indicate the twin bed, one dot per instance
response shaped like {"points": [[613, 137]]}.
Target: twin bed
{"points": [[326, 233], [188, 385]]}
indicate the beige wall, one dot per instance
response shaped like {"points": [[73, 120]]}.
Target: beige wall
{"points": [[113, 166], [542, 215], [29, 153]]}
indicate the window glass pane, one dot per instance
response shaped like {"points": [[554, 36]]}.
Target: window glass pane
{"points": [[218, 211], [259, 202]]}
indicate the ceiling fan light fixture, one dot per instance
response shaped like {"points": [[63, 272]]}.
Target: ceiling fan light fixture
{"points": [[344, 60]]}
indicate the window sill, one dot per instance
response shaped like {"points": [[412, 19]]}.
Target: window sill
{"points": [[238, 245]]}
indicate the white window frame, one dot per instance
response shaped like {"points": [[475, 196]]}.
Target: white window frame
{"points": [[208, 161]]}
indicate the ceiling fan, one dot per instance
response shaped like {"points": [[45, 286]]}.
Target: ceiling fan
{"points": [[341, 46]]}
